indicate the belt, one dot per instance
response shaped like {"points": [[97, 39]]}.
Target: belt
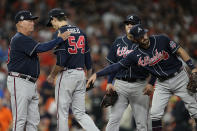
{"points": [[23, 76], [161, 79], [131, 79], [79, 68]]}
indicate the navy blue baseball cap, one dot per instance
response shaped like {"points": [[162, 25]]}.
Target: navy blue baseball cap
{"points": [[133, 19], [138, 31], [24, 15], [56, 12]]}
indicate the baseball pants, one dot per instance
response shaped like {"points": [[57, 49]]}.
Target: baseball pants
{"points": [[70, 91], [129, 93], [174, 86], [24, 102]]}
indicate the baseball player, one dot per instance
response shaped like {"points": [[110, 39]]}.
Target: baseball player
{"points": [[129, 83], [72, 57], [158, 55], [23, 71]]}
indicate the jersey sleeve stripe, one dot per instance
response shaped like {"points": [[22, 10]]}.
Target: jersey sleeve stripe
{"points": [[109, 60], [176, 49], [59, 50], [33, 49], [123, 64]]}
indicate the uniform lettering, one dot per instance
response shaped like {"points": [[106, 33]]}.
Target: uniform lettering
{"points": [[172, 44], [123, 51], [74, 30], [154, 60], [80, 44]]}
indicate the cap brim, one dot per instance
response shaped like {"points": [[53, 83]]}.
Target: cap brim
{"points": [[49, 23], [131, 22], [31, 18], [126, 21], [34, 17]]}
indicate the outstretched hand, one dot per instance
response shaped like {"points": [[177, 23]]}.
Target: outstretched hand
{"points": [[92, 79], [64, 35], [110, 87]]}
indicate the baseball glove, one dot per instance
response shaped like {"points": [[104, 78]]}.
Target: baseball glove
{"points": [[91, 86], [192, 85], [109, 99]]}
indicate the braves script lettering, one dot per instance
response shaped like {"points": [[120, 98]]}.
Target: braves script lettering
{"points": [[123, 51], [154, 60]]}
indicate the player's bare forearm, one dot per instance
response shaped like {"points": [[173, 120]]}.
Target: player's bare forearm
{"points": [[56, 69], [89, 73], [186, 58], [183, 54]]}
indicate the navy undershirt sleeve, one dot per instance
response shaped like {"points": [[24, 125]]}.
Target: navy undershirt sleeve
{"points": [[48, 45], [111, 77], [88, 61], [114, 68]]}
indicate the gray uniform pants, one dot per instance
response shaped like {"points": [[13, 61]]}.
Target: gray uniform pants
{"points": [[129, 93], [164, 90], [24, 101], [70, 91]]}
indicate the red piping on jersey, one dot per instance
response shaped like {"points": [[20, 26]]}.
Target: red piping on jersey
{"points": [[8, 55], [58, 101], [15, 104]]}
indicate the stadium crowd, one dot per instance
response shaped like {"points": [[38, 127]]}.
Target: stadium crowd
{"points": [[102, 21]]}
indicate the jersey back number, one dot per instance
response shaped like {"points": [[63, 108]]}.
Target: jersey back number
{"points": [[76, 44]]}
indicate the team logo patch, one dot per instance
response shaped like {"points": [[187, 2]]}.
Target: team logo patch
{"points": [[154, 60], [172, 44], [22, 17], [131, 17], [139, 29]]}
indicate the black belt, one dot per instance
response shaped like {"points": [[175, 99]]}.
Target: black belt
{"points": [[23, 76], [161, 79], [131, 79]]}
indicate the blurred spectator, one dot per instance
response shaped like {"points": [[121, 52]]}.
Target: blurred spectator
{"points": [[182, 117], [96, 111], [3, 77], [177, 117], [3, 50], [5, 115]]}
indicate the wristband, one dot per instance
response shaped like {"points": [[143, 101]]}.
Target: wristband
{"points": [[190, 64]]}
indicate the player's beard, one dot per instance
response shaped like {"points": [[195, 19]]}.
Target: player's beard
{"points": [[145, 44]]}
